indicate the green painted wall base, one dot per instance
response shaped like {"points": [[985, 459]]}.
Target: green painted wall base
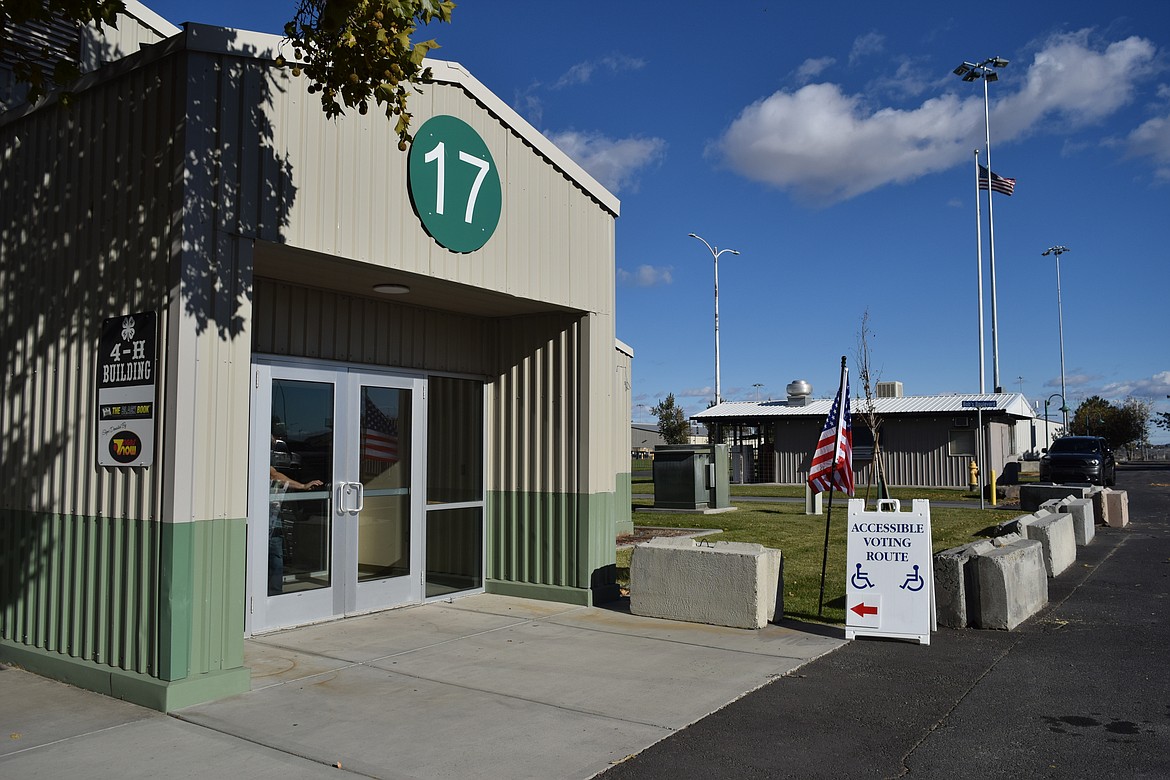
{"points": [[603, 593], [623, 514], [527, 590], [129, 686]]}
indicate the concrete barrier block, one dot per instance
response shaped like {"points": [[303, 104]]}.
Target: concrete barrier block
{"points": [[1055, 534], [1115, 506], [1032, 496], [1012, 584], [725, 584], [956, 591], [1084, 519], [1008, 538]]}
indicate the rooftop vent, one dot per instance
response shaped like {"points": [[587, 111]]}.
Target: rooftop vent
{"points": [[798, 392], [889, 389]]}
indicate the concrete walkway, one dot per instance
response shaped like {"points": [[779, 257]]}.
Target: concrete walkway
{"points": [[485, 686]]}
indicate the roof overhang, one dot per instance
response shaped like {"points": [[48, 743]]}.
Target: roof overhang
{"points": [[999, 404]]}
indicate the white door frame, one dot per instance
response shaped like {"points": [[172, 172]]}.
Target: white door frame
{"points": [[344, 595]]}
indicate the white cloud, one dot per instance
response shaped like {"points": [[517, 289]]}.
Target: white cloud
{"points": [[646, 276], [529, 105], [1156, 387], [1073, 83], [824, 145], [701, 394], [615, 162], [865, 45], [582, 72], [811, 68], [1152, 139]]}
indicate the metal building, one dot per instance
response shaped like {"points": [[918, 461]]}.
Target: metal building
{"points": [[926, 441], [261, 368]]}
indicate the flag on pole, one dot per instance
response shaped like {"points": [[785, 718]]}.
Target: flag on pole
{"points": [[1000, 184], [832, 463]]}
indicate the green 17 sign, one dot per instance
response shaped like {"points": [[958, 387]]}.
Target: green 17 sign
{"points": [[454, 184]]}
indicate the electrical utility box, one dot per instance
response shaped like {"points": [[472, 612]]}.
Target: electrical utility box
{"points": [[691, 477]]}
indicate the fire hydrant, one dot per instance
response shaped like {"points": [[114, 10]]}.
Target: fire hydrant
{"points": [[974, 476]]}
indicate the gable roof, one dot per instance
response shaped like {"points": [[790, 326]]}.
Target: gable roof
{"points": [[1011, 404]]}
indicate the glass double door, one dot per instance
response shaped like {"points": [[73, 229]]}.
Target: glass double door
{"points": [[336, 501]]}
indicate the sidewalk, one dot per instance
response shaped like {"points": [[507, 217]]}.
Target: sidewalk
{"points": [[485, 686]]}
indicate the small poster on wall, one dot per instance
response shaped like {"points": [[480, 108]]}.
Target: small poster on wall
{"points": [[126, 369]]}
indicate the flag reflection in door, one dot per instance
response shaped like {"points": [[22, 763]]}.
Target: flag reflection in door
{"points": [[379, 435]]}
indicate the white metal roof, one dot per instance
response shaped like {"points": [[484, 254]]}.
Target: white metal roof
{"points": [[1013, 404]]}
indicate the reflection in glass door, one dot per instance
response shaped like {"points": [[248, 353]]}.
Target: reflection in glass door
{"points": [[335, 517], [385, 546], [300, 529], [384, 458]]}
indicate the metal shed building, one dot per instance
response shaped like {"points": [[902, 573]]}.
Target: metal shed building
{"points": [[927, 441], [252, 380]]}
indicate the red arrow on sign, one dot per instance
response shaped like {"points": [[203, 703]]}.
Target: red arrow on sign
{"points": [[863, 609]]}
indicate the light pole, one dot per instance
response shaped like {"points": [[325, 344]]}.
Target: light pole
{"points": [[715, 252], [1063, 408], [1058, 251], [970, 71]]}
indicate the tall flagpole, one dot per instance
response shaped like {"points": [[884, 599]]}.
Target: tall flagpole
{"points": [[982, 382], [832, 482], [979, 269], [991, 239]]}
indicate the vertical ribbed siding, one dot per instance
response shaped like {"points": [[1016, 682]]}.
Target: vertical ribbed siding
{"points": [[304, 322], [84, 236], [84, 587], [533, 432], [623, 408], [914, 453]]}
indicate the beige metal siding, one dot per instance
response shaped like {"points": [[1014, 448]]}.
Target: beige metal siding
{"points": [[84, 237], [86, 234], [534, 411], [349, 198], [137, 28]]}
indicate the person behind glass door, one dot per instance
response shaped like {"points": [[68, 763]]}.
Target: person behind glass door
{"points": [[278, 483]]}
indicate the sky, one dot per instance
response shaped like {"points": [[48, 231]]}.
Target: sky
{"points": [[832, 146]]}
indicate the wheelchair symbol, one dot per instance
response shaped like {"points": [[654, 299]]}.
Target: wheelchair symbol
{"points": [[913, 581], [860, 580]]}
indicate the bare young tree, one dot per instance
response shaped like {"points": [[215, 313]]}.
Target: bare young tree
{"points": [[873, 421]]}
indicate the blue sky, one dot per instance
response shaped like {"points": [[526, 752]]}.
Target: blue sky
{"points": [[831, 145]]}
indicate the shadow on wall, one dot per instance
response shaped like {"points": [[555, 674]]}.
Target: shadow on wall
{"points": [[142, 189]]}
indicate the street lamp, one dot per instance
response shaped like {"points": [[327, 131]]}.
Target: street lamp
{"points": [[757, 385], [715, 252], [1058, 251], [985, 71]]}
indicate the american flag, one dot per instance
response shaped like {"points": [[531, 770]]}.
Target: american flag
{"points": [[998, 183], [832, 463], [379, 434]]}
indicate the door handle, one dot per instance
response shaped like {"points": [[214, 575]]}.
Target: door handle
{"points": [[344, 490]]}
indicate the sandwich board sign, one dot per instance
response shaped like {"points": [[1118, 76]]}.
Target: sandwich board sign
{"points": [[889, 582]]}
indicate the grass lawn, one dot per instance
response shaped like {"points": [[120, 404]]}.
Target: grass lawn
{"points": [[801, 538]]}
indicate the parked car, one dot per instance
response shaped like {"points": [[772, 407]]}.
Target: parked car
{"points": [[1079, 459]]}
